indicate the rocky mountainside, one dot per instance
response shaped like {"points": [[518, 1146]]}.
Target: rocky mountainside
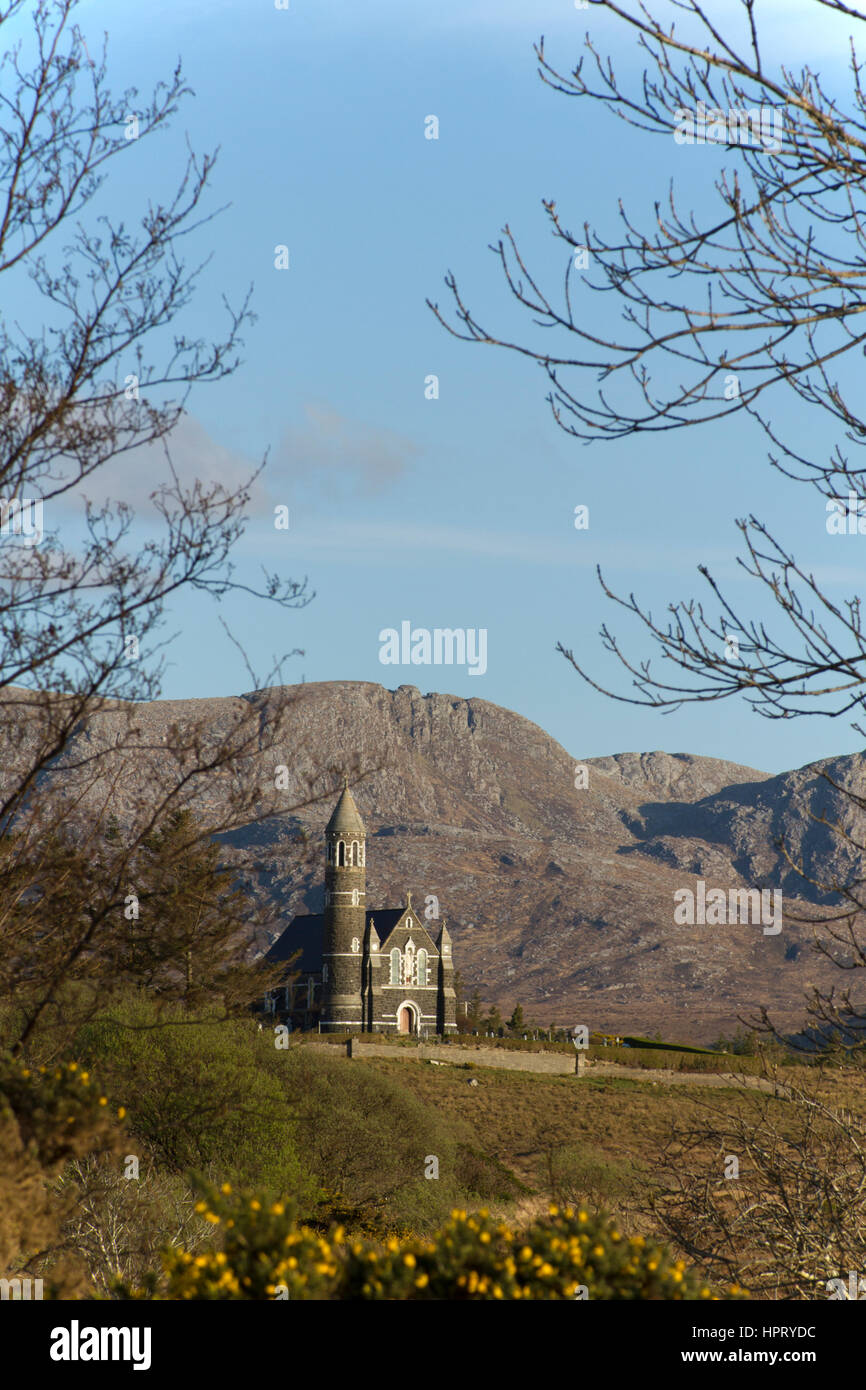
{"points": [[559, 896]]}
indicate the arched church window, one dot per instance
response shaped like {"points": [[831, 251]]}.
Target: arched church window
{"points": [[356, 945], [354, 859], [422, 967], [362, 859], [341, 854], [325, 973], [395, 966]]}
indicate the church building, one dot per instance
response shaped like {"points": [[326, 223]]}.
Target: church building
{"points": [[362, 970]]}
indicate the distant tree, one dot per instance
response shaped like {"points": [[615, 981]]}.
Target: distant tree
{"points": [[459, 996], [467, 1010], [192, 915], [516, 1023], [493, 1021], [474, 1015], [744, 1043]]}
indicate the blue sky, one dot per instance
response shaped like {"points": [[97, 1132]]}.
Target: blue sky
{"points": [[456, 512]]}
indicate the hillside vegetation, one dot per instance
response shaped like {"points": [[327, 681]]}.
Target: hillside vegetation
{"points": [[128, 1164]]}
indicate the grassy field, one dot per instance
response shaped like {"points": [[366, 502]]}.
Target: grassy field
{"points": [[603, 1135], [611, 1127]]}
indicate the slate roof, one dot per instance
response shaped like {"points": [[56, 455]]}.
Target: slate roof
{"points": [[306, 934]]}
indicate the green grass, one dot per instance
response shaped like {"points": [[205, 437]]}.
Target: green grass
{"points": [[655, 1044], [658, 1059]]}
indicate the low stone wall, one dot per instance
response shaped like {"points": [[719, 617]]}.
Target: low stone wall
{"points": [[553, 1063]]}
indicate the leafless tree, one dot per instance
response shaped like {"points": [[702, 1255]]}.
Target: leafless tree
{"points": [[104, 368], [723, 311], [770, 1194], [726, 310], [118, 1226]]}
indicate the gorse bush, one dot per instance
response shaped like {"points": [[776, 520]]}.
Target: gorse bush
{"points": [[48, 1117], [265, 1255]]}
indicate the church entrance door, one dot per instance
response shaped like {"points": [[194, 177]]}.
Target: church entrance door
{"points": [[404, 1020]]}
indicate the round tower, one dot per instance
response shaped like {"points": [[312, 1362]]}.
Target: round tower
{"points": [[345, 915]]}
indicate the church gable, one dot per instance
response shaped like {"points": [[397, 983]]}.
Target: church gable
{"points": [[409, 925], [409, 955]]}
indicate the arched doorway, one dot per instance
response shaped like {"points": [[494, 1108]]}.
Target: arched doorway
{"points": [[406, 1019]]}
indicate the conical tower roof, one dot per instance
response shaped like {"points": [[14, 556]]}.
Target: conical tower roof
{"points": [[346, 819]]}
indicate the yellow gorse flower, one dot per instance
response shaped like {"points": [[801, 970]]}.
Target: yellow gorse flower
{"points": [[462, 1260]]}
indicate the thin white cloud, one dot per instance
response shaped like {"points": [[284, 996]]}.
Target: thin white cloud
{"points": [[386, 541], [330, 449], [329, 455], [189, 451]]}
